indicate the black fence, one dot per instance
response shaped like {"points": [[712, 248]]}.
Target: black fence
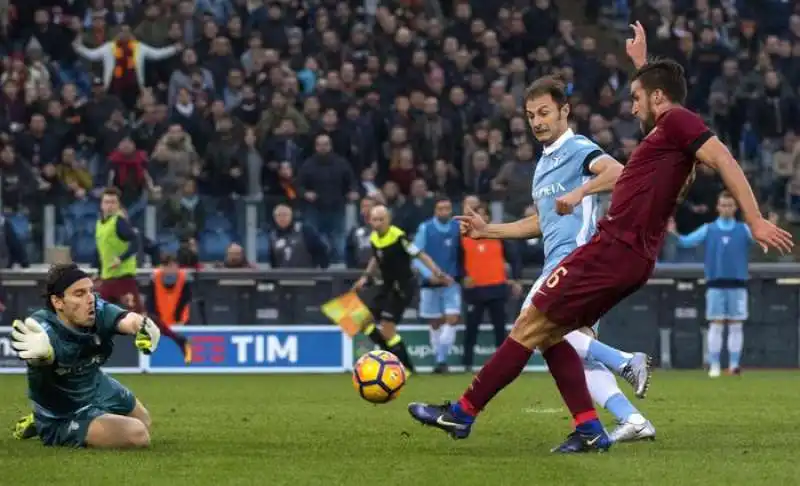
{"points": [[666, 318]]}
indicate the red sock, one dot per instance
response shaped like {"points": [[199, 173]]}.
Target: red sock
{"points": [[567, 370], [502, 368], [167, 331]]}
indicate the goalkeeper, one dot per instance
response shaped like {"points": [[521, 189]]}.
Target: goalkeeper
{"points": [[74, 402]]}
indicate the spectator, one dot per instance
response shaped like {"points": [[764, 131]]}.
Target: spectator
{"points": [[235, 258], [12, 250], [327, 182], [294, 244], [123, 62], [393, 91], [359, 249], [514, 180]]}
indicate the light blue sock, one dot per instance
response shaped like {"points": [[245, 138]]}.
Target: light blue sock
{"points": [[733, 360], [620, 407], [611, 357], [713, 359], [441, 352]]}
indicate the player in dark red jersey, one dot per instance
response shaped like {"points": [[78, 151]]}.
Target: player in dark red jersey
{"points": [[617, 261]]}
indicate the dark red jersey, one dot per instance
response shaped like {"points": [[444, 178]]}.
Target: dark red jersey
{"points": [[645, 195]]}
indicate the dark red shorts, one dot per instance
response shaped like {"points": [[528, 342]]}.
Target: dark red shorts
{"points": [[123, 292], [590, 281]]}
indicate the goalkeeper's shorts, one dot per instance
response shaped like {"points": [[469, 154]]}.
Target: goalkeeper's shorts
{"points": [[70, 431]]}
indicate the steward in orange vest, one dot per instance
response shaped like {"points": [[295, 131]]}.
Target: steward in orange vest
{"points": [[486, 285], [170, 294]]}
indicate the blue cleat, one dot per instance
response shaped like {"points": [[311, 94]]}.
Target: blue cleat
{"points": [[446, 417], [588, 437]]}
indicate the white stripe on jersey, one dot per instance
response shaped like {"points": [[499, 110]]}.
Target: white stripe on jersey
{"points": [[588, 208]]}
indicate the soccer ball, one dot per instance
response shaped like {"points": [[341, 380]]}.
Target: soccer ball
{"points": [[379, 376]]}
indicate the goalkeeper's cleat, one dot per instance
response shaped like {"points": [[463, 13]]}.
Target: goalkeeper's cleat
{"points": [[187, 352], [25, 428], [587, 437], [637, 372], [444, 417]]}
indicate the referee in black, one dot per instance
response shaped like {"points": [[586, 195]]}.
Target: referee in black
{"points": [[393, 253]]}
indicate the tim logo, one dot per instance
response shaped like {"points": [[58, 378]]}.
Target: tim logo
{"points": [[208, 349], [6, 351]]}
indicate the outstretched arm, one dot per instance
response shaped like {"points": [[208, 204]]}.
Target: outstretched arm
{"points": [[716, 155], [158, 53], [130, 324], [90, 54], [693, 239], [518, 230]]}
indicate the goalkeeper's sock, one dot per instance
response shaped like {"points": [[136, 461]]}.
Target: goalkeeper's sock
{"points": [[374, 334], [398, 348]]}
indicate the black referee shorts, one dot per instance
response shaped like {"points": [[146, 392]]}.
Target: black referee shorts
{"points": [[390, 301]]}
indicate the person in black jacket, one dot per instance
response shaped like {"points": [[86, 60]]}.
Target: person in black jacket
{"points": [[326, 183], [12, 250], [358, 247], [294, 244]]}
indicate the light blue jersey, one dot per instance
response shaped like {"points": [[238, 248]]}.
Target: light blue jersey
{"points": [[564, 166]]}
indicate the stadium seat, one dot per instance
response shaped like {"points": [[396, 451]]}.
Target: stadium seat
{"points": [[86, 224], [83, 247], [213, 244], [262, 246], [218, 221], [81, 209], [168, 243], [22, 227]]}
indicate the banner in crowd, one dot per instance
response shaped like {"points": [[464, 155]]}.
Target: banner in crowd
{"points": [[256, 349], [417, 339], [124, 359]]}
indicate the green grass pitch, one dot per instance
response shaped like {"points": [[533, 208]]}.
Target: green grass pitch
{"points": [[315, 430]]}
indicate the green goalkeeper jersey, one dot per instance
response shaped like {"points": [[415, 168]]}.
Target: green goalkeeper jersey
{"points": [[70, 382]]}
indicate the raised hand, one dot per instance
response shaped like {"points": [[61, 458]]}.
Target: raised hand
{"points": [[637, 46]]}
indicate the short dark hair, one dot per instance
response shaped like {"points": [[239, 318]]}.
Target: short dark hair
{"points": [[548, 85], [666, 75], [54, 274], [441, 199], [112, 191]]}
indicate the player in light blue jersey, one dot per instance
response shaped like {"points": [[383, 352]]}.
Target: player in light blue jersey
{"points": [[567, 179], [727, 244], [75, 404], [440, 299]]}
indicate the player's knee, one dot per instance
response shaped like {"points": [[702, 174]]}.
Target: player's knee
{"points": [[138, 435], [144, 418]]}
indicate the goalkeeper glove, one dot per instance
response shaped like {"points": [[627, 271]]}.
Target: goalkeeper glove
{"points": [[148, 336], [31, 341]]}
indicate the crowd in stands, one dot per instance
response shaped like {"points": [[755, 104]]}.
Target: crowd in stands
{"points": [[201, 107]]}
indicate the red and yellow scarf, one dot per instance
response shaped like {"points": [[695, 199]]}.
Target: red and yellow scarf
{"points": [[125, 55]]}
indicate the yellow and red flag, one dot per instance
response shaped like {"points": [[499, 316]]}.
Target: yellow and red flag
{"points": [[348, 311]]}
